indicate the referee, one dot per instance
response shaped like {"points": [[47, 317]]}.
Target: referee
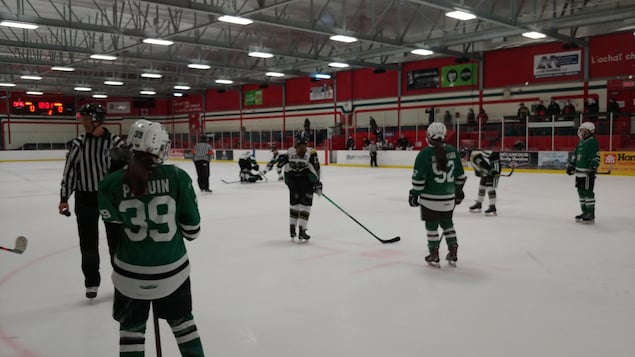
{"points": [[87, 162], [202, 156]]}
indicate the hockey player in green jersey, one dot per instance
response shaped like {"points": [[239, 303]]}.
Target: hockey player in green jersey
{"points": [[157, 207], [437, 186], [586, 161]]}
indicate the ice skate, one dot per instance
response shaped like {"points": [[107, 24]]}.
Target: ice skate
{"points": [[433, 258], [588, 218], [292, 231], [476, 208], [491, 211], [452, 257], [303, 236], [578, 218], [91, 292]]}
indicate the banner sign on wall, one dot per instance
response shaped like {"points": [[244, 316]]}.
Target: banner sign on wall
{"points": [[423, 78], [188, 105], [253, 97], [557, 64], [619, 162], [521, 158], [459, 75], [554, 160], [324, 91], [118, 108]]}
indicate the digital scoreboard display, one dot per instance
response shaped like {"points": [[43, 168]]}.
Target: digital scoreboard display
{"points": [[41, 108]]}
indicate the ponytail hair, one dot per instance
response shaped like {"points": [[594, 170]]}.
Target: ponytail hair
{"points": [[440, 154], [138, 173]]}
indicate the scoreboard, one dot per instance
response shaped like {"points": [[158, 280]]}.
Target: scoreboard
{"points": [[42, 108]]}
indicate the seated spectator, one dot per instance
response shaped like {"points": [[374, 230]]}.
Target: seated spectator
{"points": [[553, 110], [447, 119], [613, 106], [471, 117], [523, 112], [482, 117], [402, 143], [365, 143], [568, 111], [350, 143], [541, 110]]}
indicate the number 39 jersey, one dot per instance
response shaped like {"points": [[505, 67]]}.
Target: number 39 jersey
{"points": [[151, 260], [436, 188]]}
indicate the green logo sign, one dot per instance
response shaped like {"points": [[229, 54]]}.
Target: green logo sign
{"points": [[459, 75], [253, 97]]}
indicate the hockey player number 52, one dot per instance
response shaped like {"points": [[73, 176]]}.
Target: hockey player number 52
{"points": [[160, 210], [441, 176]]}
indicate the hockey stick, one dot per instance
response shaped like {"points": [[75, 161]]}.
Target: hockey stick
{"points": [[229, 182], [509, 173], [608, 172], [157, 333], [384, 241], [20, 246]]}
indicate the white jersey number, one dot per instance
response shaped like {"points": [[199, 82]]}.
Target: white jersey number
{"points": [[160, 210], [442, 176]]}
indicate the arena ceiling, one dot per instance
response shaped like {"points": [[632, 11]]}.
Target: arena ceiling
{"points": [[297, 33]]}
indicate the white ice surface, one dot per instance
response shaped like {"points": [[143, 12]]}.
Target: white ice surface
{"points": [[530, 282]]}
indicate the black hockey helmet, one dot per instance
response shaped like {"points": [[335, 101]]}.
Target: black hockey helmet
{"points": [[97, 112], [302, 139]]}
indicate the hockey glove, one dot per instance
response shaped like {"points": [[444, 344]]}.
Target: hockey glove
{"points": [[413, 198], [459, 195], [570, 169], [317, 188], [256, 167]]}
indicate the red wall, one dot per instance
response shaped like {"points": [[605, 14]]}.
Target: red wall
{"points": [[364, 83], [515, 66], [298, 90], [218, 101]]}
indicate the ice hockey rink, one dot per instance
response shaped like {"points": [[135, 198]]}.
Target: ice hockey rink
{"points": [[529, 282]]}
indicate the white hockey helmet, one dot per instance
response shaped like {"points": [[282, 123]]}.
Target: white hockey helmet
{"points": [[149, 137], [588, 126], [436, 131]]}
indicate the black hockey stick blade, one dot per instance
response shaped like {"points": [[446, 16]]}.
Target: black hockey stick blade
{"points": [[229, 182], [608, 172], [509, 173], [384, 241], [20, 246]]}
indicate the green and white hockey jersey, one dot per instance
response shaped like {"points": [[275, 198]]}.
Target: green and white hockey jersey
{"points": [[151, 260], [436, 188], [587, 156]]}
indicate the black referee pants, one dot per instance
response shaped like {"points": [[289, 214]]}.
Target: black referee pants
{"points": [[87, 212], [202, 173]]}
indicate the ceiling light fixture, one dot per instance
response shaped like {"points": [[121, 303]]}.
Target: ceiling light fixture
{"points": [[338, 65], [260, 54], [113, 83], [147, 92], [224, 81], [83, 89], [460, 15], [342, 38], [33, 78], [62, 69], [177, 94], [151, 75], [100, 96], [34, 92], [103, 57], [7, 84], [198, 66], [235, 20], [422, 52], [180, 87], [322, 76], [274, 74], [158, 41], [534, 35], [19, 25]]}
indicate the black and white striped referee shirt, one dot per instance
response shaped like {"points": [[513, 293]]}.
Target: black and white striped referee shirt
{"points": [[202, 151], [87, 163]]}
